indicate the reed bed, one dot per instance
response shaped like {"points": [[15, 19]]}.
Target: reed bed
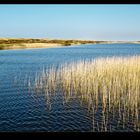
{"points": [[112, 84]]}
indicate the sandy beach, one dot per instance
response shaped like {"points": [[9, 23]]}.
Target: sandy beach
{"points": [[33, 45]]}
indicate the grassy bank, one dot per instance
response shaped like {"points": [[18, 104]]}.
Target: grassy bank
{"points": [[28, 46], [109, 84], [21, 43], [6, 43]]}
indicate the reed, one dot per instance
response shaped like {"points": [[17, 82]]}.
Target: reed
{"points": [[110, 83]]}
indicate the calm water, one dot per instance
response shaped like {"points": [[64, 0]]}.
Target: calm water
{"points": [[20, 110]]}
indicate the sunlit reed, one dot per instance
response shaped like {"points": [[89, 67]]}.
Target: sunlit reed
{"points": [[110, 83]]}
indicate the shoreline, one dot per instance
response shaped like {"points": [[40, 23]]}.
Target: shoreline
{"points": [[31, 46], [40, 46], [21, 43]]}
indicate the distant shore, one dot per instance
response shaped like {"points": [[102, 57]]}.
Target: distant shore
{"points": [[28, 46], [22, 43], [18, 43]]}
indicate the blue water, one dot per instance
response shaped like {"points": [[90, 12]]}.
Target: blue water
{"points": [[21, 110]]}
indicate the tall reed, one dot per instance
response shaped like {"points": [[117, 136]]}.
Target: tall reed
{"points": [[110, 83]]}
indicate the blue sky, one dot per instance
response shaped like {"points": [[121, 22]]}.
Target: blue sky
{"points": [[96, 22]]}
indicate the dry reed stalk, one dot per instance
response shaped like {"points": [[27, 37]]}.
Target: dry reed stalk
{"points": [[113, 83]]}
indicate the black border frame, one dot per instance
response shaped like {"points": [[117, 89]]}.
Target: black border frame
{"points": [[69, 135]]}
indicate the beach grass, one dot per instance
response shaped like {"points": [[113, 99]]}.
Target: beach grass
{"points": [[111, 83], [24, 43]]}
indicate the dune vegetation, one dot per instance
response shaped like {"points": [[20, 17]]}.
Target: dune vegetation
{"points": [[27, 43], [111, 85], [24, 43]]}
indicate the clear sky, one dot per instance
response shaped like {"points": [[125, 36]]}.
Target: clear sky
{"points": [[96, 22]]}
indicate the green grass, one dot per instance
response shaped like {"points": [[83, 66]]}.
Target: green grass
{"points": [[11, 46], [3, 46]]}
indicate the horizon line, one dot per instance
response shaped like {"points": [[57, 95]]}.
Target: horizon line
{"points": [[66, 39]]}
